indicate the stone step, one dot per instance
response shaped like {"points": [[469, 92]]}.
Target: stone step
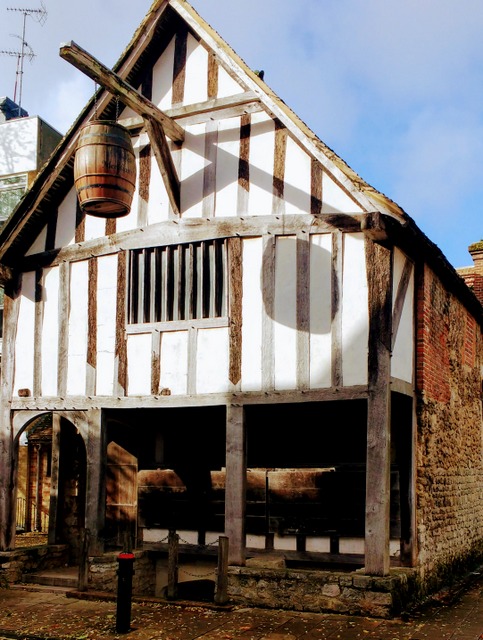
{"points": [[67, 577]]}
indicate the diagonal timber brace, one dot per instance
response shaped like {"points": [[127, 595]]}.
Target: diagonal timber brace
{"points": [[158, 124]]}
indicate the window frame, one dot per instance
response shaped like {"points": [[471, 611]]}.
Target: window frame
{"points": [[194, 277]]}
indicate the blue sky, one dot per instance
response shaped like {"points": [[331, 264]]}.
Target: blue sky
{"points": [[394, 88]]}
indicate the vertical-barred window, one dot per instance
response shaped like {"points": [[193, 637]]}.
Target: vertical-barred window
{"points": [[178, 282]]}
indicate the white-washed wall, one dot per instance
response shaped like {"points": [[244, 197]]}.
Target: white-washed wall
{"points": [[65, 228], [196, 89], [50, 331], [320, 310], [174, 362], [253, 310], [262, 147], [163, 78], [228, 147], [402, 360], [191, 161], [39, 243], [78, 326], [335, 199], [297, 179], [192, 165], [186, 357], [106, 323], [212, 352], [197, 360], [24, 343], [355, 322], [285, 314], [139, 364]]}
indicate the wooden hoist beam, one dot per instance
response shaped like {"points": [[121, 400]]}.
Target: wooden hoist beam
{"points": [[158, 124]]}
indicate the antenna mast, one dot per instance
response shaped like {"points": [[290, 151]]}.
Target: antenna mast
{"points": [[25, 50]]}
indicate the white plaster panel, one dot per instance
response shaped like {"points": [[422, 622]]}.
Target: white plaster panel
{"points": [[297, 188], [252, 313], [262, 140], [174, 362], [127, 112], [106, 323], [78, 329], [196, 88], [18, 145], [24, 343], [226, 85], [50, 332], [335, 199], [139, 364], [285, 310], [355, 322], [320, 310], [158, 204], [192, 166], [287, 543], [227, 167], [212, 360], [66, 219], [130, 221], [38, 244], [94, 227], [163, 78], [403, 351]]}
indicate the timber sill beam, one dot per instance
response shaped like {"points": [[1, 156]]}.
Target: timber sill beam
{"points": [[106, 78]]}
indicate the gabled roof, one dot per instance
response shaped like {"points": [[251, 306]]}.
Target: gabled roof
{"points": [[164, 18]]}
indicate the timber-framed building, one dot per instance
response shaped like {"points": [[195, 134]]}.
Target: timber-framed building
{"points": [[265, 347]]}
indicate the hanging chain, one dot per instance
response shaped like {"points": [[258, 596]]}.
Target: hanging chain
{"points": [[95, 100], [117, 108]]}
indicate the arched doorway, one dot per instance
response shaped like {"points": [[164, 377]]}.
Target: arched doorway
{"points": [[51, 481]]}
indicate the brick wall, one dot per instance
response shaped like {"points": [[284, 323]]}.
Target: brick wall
{"points": [[449, 489]]}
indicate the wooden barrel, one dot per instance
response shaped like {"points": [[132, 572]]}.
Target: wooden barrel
{"points": [[105, 169]]}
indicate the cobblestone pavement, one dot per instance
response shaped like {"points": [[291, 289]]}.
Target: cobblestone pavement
{"points": [[58, 615]]}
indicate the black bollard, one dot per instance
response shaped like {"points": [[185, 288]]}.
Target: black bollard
{"points": [[124, 591]]}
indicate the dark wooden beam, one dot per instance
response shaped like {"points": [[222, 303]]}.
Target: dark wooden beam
{"points": [[117, 86]]}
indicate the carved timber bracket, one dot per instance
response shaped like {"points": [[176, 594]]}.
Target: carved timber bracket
{"points": [[158, 124], [374, 226], [6, 274]]}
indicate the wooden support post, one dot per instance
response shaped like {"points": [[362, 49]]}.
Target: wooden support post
{"points": [[235, 483], [378, 488], [221, 593], [7, 457], [334, 542], [54, 479], [96, 485], [173, 544], [84, 561]]}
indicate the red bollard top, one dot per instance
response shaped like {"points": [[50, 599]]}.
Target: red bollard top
{"points": [[125, 556]]}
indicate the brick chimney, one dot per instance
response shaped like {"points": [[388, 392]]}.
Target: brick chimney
{"points": [[476, 252]]}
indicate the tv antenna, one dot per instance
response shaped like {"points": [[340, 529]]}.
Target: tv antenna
{"points": [[40, 15]]}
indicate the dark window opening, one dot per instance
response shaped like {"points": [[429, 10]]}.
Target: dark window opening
{"points": [[178, 282]]}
